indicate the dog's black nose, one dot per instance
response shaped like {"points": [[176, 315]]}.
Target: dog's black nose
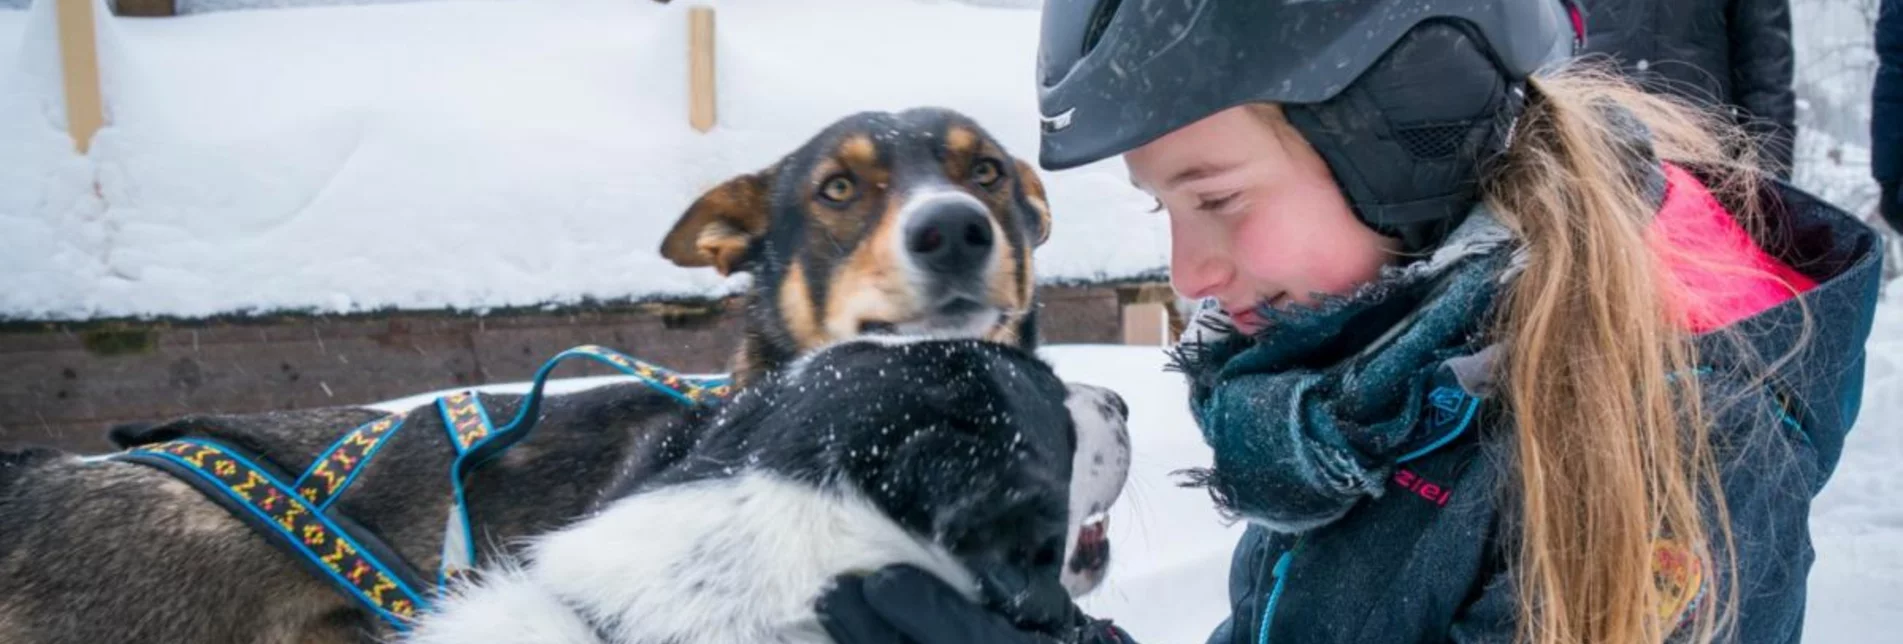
{"points": [[949, 237]]}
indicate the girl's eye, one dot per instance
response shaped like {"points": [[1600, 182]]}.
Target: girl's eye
{"points": [[1217, 203]]}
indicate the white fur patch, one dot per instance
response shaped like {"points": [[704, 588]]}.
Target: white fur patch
{"points": [[1099, 469], [718, 561]]}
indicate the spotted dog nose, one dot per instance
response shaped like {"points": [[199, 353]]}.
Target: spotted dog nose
{"points": [[950, 238]]}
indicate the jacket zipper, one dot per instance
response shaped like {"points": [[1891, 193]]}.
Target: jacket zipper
{"points": [[1275, 594]]}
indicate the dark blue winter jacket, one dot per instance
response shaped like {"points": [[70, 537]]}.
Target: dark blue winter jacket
{"points": [[1425, 561], [1886, 113]]}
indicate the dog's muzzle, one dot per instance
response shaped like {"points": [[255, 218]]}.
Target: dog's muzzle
{"points": [[1099, 470]]}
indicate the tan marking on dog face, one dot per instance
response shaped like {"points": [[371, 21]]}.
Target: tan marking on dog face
{"points": [[796, 309], [960, 141], [870, 285], [859, 152]]}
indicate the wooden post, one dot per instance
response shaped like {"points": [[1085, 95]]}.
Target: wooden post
{"points": [[1146, 324], [79, 65], [700, 68], [1146, 315]]}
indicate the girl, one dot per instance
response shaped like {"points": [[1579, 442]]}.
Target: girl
{"points": [[1488, 354]]}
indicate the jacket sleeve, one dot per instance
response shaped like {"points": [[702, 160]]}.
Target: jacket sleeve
{"points": [[1886, 114], [1770, 471], [1762, 70], [1243, 566]]}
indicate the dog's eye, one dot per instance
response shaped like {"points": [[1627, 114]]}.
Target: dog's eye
{"points": [[838, 188], [987, 172]]}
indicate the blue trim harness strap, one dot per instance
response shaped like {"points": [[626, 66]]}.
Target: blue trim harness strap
{"points": [[295, 516], [467, 422], [333, 472], [262, 500]]}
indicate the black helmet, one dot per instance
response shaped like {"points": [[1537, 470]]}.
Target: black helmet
{"points": [[1403, 98]]}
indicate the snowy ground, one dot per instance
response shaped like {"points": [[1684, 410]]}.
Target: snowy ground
{"points": [[1168, 583]]}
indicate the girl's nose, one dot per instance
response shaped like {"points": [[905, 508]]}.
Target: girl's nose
{"points": [[1198, 266]]}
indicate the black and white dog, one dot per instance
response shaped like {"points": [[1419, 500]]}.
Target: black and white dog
{"points": [[966, 458]]}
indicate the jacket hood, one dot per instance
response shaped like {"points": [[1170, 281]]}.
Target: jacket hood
{"points": [[1815, 339]]}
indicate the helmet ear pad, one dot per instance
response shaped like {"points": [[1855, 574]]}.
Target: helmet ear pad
{"points": [[1407, 140]]}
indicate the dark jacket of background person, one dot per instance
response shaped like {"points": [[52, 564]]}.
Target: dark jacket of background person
{"points": [[1736, 54]]}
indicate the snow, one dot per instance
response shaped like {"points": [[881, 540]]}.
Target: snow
{"points": [[1169, 572], [473, 155]]}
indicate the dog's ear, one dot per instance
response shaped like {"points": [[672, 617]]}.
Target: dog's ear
{"points": [[722, 224], [134, 434], [1034, 194]]}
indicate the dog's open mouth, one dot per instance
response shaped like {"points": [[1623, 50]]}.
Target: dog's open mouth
{"points": [[1093, 546]]}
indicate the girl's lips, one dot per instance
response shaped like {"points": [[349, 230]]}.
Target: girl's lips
{"points": [[1248, 320]]}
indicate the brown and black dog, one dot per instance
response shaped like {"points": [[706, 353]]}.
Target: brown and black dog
{"points": [[917, 223], [909, 223]]}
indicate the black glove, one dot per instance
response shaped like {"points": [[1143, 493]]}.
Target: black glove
{"points": [[1891, 206], [906, 605]]}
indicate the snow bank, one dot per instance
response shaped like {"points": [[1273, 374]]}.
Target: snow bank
{"points": [[486, 154]]}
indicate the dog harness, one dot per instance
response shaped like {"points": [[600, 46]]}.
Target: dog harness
{"points": [[294, 513]]}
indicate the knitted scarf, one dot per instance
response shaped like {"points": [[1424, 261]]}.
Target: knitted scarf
{"points": [[1313, 412]]}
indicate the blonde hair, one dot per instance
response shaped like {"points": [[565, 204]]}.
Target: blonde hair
{"points": [[1612, 451]]}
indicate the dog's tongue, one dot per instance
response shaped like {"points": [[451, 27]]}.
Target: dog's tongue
{"points": [[1093, 545]]}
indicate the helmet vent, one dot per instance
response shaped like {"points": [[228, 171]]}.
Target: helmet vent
{"points": [[1099, 22], [1437, 141]]}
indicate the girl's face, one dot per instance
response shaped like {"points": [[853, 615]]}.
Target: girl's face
{"points": [[1255, 216]]}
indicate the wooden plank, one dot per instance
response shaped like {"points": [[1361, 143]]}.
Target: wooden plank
{"points": [[700, 68], [145, 8], [65, 384], [79, 65]]}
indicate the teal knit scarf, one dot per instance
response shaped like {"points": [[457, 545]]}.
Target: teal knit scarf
{"points": [[1313, 412]]}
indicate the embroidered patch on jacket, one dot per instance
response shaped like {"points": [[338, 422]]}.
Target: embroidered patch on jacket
{"points": [[1680, 578]]}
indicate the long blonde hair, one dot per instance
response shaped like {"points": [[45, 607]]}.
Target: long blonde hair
{"points": [[1612, 452]]}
